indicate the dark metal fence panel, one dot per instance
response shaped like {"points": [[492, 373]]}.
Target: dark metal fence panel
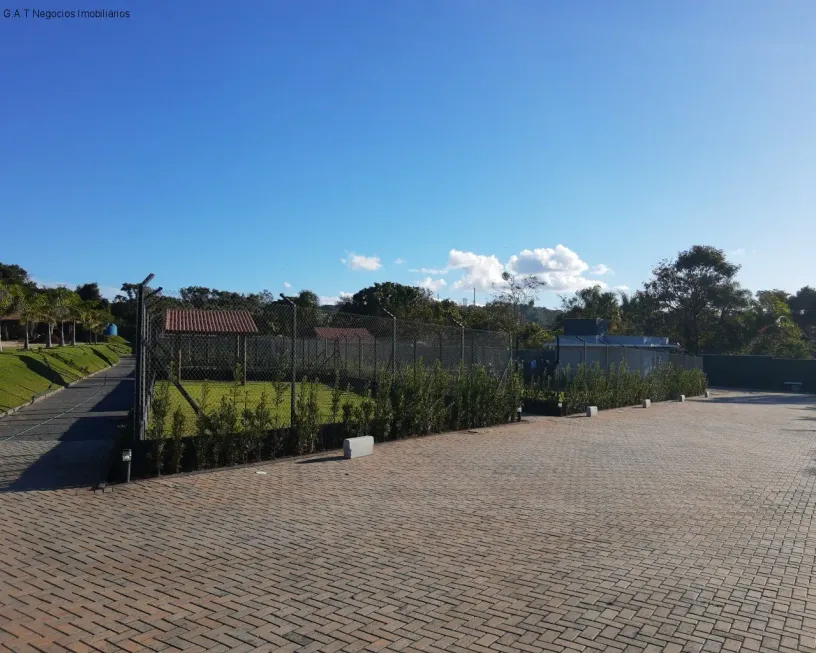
{"points": [[760, 372]]}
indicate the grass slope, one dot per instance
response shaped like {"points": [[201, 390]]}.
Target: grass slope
{"points": [[26, 374], [249, 394]]}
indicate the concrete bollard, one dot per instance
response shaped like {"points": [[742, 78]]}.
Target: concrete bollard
{"points": [[682, 398], [647, 403], [708, 394], [358, 447], [592, 411]]}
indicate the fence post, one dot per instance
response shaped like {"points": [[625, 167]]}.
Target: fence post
{"points": [[137, 389], [245, 359], [294, 360], [393, 344]]}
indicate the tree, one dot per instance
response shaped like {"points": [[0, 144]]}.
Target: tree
{"points": [[61, 305], [534, 336], [90, 292], [86, 316], [697, 288], [8, 299], [32, 307], [592, 303], [509, 297], [774, 332], [803, 311], [14, 274], [406, 302]]}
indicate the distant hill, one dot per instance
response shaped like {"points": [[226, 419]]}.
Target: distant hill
{"points": [[539, 315]]}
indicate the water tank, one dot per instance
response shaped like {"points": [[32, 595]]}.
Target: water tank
{"points": [[111, 330]]}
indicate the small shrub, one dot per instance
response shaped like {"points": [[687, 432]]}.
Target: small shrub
{"points": [[307, 418], [160, 407], [176, 442]]}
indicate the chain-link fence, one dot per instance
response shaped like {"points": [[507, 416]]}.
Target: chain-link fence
{"points": [[202, 350]]}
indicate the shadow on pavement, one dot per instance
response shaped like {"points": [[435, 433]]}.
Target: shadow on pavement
{"points": [[55, 465], [765, 398], [120, 398], [66, 448], [322, 459]]}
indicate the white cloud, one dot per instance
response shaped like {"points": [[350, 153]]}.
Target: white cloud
{"points": [[399, 261], [430, 270], [358, 262], [737, 252], [622, 288], [479, 271], [286, 284], [560, 268], [324, 299], [431, 284]]}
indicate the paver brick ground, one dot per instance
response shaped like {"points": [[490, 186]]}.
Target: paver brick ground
{"points": [[684, 527]]}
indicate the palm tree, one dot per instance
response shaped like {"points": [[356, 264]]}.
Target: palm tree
{"points": [[61, 301], [8, 299], [86, 315], [99, 317], [32, 307], [75, 315]]}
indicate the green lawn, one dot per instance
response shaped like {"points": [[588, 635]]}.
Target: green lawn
{"points": [[26, 374], [248, 394]]}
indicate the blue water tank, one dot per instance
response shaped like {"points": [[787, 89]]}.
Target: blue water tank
{"points": [[111, 330]]}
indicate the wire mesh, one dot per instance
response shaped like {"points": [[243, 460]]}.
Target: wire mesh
{"points": [[262, 345]]}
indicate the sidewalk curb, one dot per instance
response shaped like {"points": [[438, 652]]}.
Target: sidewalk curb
{"points": [[50, 393]]}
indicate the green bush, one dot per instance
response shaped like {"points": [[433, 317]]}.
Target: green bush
{"points": [[619, 386], [418, 401]]}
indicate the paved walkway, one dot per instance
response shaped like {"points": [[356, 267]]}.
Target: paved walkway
{"points": [[64, 440], [684, 527]]}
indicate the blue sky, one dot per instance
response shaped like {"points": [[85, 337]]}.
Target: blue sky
{"points": [[315, 143]]}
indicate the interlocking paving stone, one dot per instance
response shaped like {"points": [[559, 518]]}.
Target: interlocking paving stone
{"points": [[683, 528]]}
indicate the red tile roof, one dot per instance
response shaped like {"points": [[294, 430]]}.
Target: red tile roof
{"points": [[198, 320], [340, 333]]}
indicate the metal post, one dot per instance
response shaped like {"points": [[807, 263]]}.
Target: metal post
{"points": [[461, 326], [585, 349], [245, 359], [137, 391], [294, 360], [393, 344]]}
